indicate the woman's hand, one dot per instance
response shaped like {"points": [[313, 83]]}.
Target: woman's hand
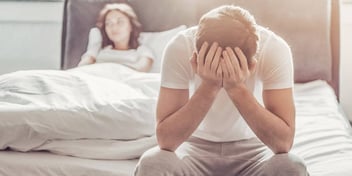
{"points": [[207, 65], [86, 60], [235, 68]]}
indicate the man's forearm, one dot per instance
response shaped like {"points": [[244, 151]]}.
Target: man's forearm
{"points": [[178, 126], [269, 128]]}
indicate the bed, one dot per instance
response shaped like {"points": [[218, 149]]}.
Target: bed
{"points": [[98, 119]]}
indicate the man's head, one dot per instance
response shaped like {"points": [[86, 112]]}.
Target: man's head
{"points": [[230, 26]]}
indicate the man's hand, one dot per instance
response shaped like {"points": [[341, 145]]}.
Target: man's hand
{"points": [[207, 65], [235, 68], [179, 118]]}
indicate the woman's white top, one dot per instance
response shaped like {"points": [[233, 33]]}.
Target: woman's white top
{"points": [[108, 54]]}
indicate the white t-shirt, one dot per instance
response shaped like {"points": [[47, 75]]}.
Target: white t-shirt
{"points": [[108, 54], [223, 122]]}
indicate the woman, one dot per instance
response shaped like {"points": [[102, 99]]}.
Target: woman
{"points": [[116, 39]]}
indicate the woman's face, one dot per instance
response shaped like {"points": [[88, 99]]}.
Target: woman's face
{"points": [[118, 27]]}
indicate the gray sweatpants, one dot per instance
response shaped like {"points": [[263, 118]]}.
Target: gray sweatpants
{"points": [[198, 157]]}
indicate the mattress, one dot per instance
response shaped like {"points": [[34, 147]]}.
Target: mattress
{"points": [[323, 139], [48, 164], [323, 134]]}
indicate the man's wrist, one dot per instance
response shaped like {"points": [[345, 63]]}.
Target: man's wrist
{"points": [[237, 90], [209, 87]]}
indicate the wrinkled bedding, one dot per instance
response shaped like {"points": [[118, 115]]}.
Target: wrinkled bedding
{"points": [[97, 111], [323, 134], [106, 112]]}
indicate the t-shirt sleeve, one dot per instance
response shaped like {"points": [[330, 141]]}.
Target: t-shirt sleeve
{"points": [[94, 42], [176, 71], [277, 68], [143, 50]]}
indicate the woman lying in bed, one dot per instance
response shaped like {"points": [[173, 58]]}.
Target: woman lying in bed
{"points": [[116, 39]]}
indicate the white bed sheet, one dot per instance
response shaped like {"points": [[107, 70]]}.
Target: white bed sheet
{"points": [[323, 140], [323, 134], [96, 111], [48, 164]]}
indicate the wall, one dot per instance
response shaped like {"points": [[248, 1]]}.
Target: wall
{"points": [[346, 58], [30, 35]]}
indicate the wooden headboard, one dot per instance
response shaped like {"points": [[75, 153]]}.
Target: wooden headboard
{"points": [[310, 27]]}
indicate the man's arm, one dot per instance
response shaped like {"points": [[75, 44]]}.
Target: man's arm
{"points": [[177, 115], [274, 124]]}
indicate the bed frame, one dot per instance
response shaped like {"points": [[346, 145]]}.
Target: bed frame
{"points": [[310, 27]]}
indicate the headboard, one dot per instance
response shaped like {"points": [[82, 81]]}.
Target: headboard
{"points": [[310, 27]]}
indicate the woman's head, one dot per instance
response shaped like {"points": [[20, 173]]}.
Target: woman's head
{"points": [[119, 24], [230, 26]]}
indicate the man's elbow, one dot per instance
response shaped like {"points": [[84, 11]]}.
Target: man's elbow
{"points": [[164, 141], [284, 146]]}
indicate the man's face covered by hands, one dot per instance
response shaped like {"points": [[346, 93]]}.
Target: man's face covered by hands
{"points": [[229, 27], [226, 42]]}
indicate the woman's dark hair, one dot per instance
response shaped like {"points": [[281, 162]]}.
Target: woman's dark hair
{"points": [[230, 26], [126, 10]]}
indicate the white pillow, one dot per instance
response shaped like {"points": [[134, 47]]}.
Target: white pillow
{"points": [[157, 41]]}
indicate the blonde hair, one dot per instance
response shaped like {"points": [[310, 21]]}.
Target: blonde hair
{"points": [[230, 26], [129, 12]]}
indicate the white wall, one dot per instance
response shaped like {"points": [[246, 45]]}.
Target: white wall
{"points": [[346, 58], [30, 35]]}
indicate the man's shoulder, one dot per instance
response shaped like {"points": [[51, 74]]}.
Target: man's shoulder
{"points": [[184, 39], [189, 33], [271, 47], [268, 38], [264, 33]]}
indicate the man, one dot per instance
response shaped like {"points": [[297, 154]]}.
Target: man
{"points": [[240, 117]]}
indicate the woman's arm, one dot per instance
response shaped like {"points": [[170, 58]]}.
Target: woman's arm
{"points": [[143, 64], [86, 60], [93, 47], [132, 60], [144, 60], [140, 59]]}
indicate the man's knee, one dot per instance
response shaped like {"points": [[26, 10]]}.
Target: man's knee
{"points": [[286, 164], [155, 161]]}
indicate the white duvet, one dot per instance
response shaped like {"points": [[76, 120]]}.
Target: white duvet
{"points": [[100, 111]]}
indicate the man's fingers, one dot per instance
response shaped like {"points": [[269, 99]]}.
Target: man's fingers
{"points": [[233, 59], [230, 68], [252, 65], [225, 69], [219, 71], [210, 55], [216, 60], [242, 59], [194, 62], [201, 54]]}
